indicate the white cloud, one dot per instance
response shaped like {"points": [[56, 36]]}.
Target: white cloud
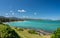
{"points": [[23, 16], [35, 13], [6, 13], [12, 13], [21, 11]]}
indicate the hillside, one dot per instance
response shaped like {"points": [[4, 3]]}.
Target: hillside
{"points": [[7, 32], [28, 33], [9, 19]]}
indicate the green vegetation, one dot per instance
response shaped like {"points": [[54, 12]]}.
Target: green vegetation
{"points": [[9, 19], [27, 33], [7, 32], [56, 34], [32, 32], [13, 32], [19, 29]]}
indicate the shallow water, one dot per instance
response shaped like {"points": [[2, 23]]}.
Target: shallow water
{"points": [[44, 25]]}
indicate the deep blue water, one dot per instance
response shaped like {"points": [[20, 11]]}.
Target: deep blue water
{"points": [[44, 25]]}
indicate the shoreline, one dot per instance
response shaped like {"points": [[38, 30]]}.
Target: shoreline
{"points": [[38, 31], [13, 21], [41, 33]]}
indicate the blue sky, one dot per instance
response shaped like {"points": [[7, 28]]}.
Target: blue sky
{"points": [[42, 9]]}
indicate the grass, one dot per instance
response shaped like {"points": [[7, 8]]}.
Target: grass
{"points": [[25, 34]]}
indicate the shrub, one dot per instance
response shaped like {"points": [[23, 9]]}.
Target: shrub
{"points": [[1, 23], [7, 32], [32, 32], [20, 29], [56, 34]]}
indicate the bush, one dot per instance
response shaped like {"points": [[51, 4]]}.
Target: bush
{"points": [[56, 34], [1, 23], [15, 27], [7, 32], [20, 29], [32, 32]]}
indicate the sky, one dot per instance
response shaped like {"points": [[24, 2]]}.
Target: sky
{"points": [[38, 9]]}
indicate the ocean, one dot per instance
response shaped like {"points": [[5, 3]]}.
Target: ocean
{"points": [[49, 26]]}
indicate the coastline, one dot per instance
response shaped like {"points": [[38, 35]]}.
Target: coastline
{"points": [[38, 31], [11, 22], [25, 33]]}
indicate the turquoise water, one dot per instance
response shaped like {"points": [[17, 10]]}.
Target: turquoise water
{"points": [[44, 25]]}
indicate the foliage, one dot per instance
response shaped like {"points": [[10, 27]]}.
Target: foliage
{"points": [[7, 32], [19, 29], [32, 32], [56, 34]]}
